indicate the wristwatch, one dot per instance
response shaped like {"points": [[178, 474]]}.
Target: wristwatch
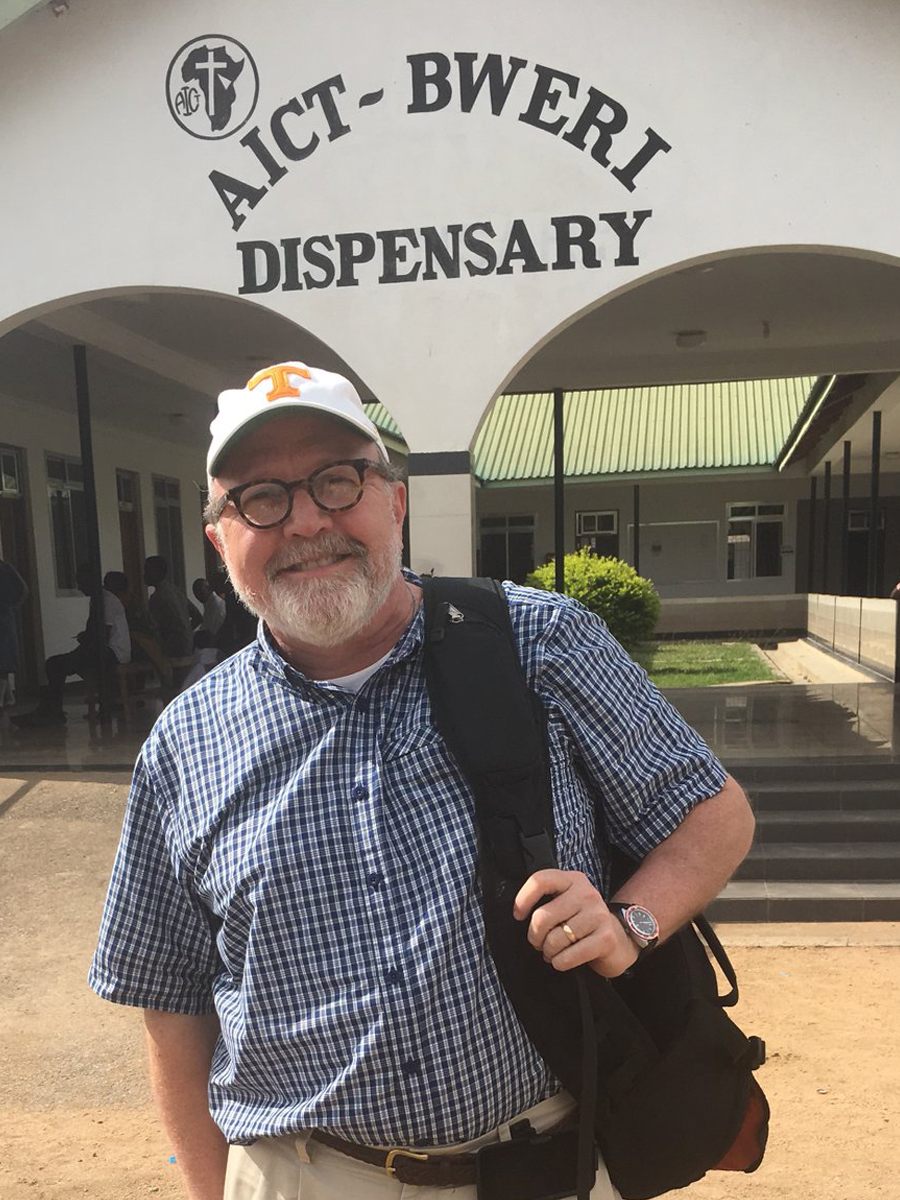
{"points": [[640, 925]]}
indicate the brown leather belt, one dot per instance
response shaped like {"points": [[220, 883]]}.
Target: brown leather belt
{"points": [[417, 1167], [407, 1166]]}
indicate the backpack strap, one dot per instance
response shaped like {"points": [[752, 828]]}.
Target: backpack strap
{"points": [[490, 719], [495, 726]]}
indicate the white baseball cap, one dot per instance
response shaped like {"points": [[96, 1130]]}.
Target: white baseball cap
{"points": [[285, 387]]}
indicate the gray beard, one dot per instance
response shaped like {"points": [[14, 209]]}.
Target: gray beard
{"points": [[324, 612]]}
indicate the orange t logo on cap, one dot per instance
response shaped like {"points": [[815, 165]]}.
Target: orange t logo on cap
{"points": [[281, 388]]}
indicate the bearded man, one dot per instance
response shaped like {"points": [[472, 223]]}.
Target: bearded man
{"points": [[294, 904]]}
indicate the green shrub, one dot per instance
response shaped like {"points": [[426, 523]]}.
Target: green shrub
{"points": [[627, 602]]}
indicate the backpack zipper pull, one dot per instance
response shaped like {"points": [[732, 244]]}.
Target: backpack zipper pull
{"points": [[446, 613]]}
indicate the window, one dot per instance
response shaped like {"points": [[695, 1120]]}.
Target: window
{"points": [[755, 537], [599, 531], [68, 518], [507, 547], [10, 481], [169, 539], [860, 519]]}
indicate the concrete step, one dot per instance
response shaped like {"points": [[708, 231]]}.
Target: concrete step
{"points": [[829, 825], [834, 861], [805, 770], [806, 900], [847, 795]]}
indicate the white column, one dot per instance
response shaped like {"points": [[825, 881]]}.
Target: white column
{"points": [[441, 521]]}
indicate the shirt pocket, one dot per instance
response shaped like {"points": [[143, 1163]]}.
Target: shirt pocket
{"points": [[417, 760]]}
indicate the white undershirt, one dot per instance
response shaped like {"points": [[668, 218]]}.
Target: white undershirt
{"points": [[354, 682]]}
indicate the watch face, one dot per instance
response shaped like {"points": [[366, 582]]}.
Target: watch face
{"points": [[643, 923]]}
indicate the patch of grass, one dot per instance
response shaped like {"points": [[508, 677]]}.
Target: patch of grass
{"points": [[702, 664]]}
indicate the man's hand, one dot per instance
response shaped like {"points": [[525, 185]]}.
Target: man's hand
{"points": [[576, 911]]}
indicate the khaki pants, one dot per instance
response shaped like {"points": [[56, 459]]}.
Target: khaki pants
{"points": [[295, 1168]]}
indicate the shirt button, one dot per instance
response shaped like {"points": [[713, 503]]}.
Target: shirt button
{"points": [[393, 975], [375, 880], [411, 1067], [359, 792]]}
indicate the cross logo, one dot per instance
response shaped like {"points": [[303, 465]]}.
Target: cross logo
{"points": [[212, 86]]}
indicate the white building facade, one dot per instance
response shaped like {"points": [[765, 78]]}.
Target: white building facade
{"points": [[446, 201]]}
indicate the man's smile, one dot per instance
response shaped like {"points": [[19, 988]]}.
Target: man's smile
{"points": [[313, 564]]}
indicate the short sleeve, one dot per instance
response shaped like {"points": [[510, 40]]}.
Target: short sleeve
{"points": [[649, 767], [156, 948]]}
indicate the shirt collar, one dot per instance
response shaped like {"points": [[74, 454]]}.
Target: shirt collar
{"points": [[271, 660]]}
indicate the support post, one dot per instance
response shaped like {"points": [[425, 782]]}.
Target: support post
{"points": [[826, 528], [637, 528], [875, 481], [845, 522], [559, 496], [97, 625], [810, 565]]}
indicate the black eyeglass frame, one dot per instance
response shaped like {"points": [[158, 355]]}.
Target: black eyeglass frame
{"points": [[233, 495]]}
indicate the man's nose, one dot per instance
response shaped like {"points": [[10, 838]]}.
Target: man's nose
{"points": [[305, 519]]}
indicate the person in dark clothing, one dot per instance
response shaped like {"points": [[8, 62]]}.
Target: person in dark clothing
{"points": [[83, 659], [170, 608], [13, 594]]}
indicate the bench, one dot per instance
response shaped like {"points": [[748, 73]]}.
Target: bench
{"points": [[124, 674]]}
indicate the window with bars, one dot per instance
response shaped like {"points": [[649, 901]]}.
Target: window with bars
{"points": [[599, 531], [169, 529], [68, 518], [10, 476]]}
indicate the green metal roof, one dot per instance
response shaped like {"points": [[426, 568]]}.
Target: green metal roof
{"points": [[634, 431], [640, 431], [380, 417]]}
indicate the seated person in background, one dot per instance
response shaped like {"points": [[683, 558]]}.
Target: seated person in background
{"points": [[83, 660], [240, 626], [146, 644], [213, 607], [170, 608], [206, 655]]}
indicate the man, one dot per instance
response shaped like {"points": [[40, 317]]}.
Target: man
{"points": [[13, 594], [212, 604], [170, 608], [294, 902], [83, 659]]}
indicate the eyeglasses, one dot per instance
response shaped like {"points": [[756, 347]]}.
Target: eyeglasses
{"points": [[265, 503]]}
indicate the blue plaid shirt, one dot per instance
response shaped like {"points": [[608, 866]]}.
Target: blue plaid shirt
{"points": [[302, 860]]}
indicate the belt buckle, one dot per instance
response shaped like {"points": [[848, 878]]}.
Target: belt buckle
{"points": [[392, 1154]]}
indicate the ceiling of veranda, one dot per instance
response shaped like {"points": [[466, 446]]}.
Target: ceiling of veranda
{"points": [[158, 359]]}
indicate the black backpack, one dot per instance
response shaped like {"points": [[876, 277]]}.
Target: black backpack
{"points": [[663, 1077]]}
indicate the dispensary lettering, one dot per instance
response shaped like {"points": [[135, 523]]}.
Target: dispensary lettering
{"points": [[554, 102]]}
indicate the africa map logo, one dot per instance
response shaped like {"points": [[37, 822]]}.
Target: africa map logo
{"points": [[212, 86]]}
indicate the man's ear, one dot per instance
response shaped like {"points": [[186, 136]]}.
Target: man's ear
{"points": [[398, 501], [212, 533]]}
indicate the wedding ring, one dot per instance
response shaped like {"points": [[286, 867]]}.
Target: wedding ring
{"points": [[569, 932]]}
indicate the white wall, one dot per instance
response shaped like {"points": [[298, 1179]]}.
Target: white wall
{"points": [[104, 190], [38, 430], [664, 507]]}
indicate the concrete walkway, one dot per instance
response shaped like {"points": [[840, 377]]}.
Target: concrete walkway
{"points": [[800, 661]]}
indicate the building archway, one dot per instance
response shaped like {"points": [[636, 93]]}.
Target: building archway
{"points": [[156, 359], [754, 313]]}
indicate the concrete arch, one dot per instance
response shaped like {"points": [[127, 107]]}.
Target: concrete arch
{"points": [[536, 370], [156, 359], [51, 308]]}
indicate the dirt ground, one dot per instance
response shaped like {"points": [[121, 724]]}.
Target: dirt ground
{"points": [[76, 1116]]}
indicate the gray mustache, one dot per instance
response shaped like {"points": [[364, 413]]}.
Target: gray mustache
{"points": [[297, 555]]}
